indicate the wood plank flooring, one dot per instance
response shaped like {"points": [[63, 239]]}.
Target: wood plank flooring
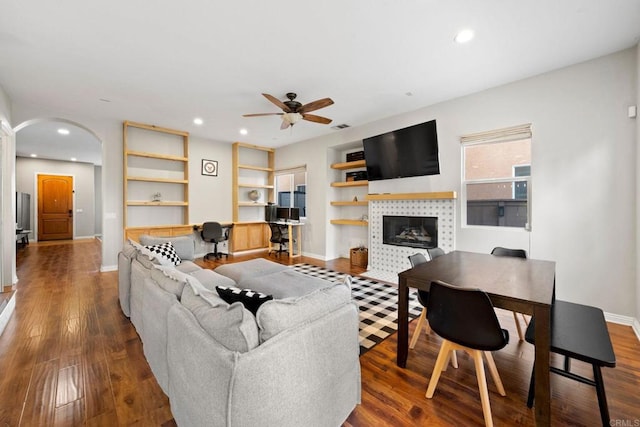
{"points": [[68, 357]]}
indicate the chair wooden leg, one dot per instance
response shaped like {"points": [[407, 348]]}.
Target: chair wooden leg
{"points": [[416, 333], [494, 373], [445, 348], [525, 318], [451, 357], [518, 327], [482, 385]]}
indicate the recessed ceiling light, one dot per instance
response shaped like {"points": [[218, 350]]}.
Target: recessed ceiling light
{"points": [[73, 159], [34, 155], [243, 131], [63, 131], [463, 36], [198, 121]]}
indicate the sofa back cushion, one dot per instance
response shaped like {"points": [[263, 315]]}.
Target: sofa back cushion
{"points": [[185, 246], [169, 279], [231, 325], [278, 315]]}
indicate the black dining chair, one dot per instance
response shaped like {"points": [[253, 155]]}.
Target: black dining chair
{"points": [[466, 320], [213, 232], [279, 236], [515, 253], [423, 296]]}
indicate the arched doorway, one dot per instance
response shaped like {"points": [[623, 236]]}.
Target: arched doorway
{"points": [[60, 147]]}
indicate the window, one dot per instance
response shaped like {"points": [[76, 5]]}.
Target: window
{"points": [[496, 177], [290, 187]]}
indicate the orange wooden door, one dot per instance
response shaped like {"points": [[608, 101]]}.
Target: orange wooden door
{"points": [[55, 207]]}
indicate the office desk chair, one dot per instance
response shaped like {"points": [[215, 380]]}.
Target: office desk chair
{"points": [[212, 232], [280, 236], [516, 253]]}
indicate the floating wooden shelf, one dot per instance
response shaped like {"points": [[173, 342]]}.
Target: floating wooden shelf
{"points": [[357, 222], [413, 196], [255, 185], [251, 204], [349, 165], [166, 180], [350, 183], [151, 203], [256, 168], [157, 156], [350, 203]]}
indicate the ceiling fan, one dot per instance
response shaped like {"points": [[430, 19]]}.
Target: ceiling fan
{"points": [[293, 110]]}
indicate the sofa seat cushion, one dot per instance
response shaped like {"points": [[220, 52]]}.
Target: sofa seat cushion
{"points": [[210, 279], [240, 271], [185, 246], [278, 315], [231, 325], [287, 283]]}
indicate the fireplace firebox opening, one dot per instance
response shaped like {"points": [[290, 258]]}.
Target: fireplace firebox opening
{"points": [[412, 231]]}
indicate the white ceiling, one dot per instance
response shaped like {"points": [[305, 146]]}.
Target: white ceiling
{"points": [[166, 62]]}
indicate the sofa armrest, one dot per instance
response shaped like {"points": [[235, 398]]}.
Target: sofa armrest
{"points": [[124, 283], [307, 375], [200, 372]]}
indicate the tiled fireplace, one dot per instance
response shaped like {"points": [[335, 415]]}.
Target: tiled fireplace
{"points": [[422, 220]]}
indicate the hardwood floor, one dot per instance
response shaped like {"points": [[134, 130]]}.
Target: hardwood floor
{"points": [[69, 357]]}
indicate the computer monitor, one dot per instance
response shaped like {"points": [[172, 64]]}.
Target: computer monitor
{"points": [[294, 214], [282, 214]]}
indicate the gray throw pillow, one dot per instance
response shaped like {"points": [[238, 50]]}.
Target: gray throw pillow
{"points": [[185, 246]]}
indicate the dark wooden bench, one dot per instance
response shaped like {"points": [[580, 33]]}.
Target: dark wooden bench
{"points": [[579, 332]]}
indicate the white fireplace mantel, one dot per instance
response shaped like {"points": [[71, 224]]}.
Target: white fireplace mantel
{"points": [[437, 195]]}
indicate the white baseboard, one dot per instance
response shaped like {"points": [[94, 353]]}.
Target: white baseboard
{"points": [[106, 268], [636, 328], [316, 256], [7, 312], [624, 320]]}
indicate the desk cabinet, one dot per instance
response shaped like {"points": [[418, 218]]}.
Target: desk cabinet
{"points": [[249, 235]]}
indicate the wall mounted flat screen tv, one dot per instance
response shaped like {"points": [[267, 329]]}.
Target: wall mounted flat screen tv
{"points": [[411, 151]]}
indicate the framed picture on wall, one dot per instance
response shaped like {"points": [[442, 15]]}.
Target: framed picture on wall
{"points": [[209, 167]]}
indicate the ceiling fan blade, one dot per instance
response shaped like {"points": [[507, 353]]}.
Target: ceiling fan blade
{"points": [[262, 114], [315, 105], [285, 124], [316, 119], [277, 102]]}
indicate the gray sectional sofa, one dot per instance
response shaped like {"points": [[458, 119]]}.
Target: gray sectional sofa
{"points": [[295, 362]]}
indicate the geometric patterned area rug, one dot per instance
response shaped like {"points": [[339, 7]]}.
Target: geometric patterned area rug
{"points": [[378, 303]]}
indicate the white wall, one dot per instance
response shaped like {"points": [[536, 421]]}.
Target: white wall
{"points": [[637, 119], [27, 170], [583, 173], [7, 191]]}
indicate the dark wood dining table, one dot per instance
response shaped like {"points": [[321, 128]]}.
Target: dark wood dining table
{"points": [[517, 284]]}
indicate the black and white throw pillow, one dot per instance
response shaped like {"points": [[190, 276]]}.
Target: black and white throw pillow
{"points": [[250, 299], [165, 253]]}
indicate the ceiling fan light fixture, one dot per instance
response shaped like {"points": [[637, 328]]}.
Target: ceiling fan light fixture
{"points": [[292, 118]]}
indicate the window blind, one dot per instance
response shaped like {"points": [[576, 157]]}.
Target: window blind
{"points": [[512, 133], [292, 170]]}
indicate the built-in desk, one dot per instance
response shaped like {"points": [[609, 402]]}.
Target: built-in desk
{"points": [[290, 226]]}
